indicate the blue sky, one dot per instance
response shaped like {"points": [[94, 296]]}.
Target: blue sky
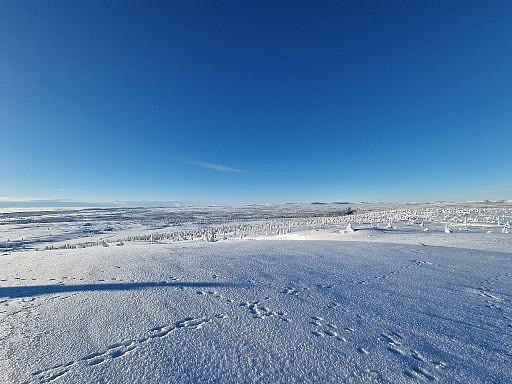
{"points": [[256, 102]]}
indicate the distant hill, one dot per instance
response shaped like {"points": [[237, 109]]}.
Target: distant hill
{"points": [[334, 202]]}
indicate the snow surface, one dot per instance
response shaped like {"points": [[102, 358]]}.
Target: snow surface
{"points": [[295, 300]]}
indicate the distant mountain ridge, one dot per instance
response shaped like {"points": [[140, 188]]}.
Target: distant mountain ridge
{"points": [[334, 202]]}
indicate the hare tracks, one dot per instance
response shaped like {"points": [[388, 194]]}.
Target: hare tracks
{"points": [[323, 328], [119, 349], [418, 366], [261, 311]]}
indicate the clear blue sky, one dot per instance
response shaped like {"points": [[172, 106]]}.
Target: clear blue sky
{"points": [[256, 101]]}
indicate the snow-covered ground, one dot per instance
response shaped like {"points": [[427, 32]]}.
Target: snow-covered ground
{"points": [[267, 295]]}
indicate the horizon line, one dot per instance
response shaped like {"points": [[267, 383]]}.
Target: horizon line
{"points": [[29, 203]]}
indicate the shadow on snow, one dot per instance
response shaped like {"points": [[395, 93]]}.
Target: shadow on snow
{"points": [[37, 290]]}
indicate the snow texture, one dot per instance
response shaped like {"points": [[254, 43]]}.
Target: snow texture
{"points": [[250, 298]]}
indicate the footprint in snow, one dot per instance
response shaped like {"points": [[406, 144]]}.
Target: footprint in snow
{"points": [[362, 351]]}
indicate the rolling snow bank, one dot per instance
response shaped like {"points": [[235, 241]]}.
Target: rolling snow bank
{"points": [[315, 306]]}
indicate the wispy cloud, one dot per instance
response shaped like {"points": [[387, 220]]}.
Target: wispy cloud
{"points": [[67, 189], [215, 167], [14, 202]]}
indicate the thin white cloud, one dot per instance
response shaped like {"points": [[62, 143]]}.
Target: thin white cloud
{"points": [[67, 189], [17, 199], [215, 167], [13, 202]]}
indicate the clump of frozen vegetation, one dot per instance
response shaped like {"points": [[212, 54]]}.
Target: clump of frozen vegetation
{"points": [[349, 229], [209, 236]]}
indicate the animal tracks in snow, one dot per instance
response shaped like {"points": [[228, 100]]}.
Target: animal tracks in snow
{"points": [[418, 366], [394, 343], [62, 280], [323, 328], [211, 293], [114, 351], [257, 308], [261, 311], [119, 349], [334, 305], [422, 262], [26, 306], [492, 300], [293, 291], [490, 296]]}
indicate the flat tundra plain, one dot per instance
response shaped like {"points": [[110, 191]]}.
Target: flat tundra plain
{"points": [[257, 294]]}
